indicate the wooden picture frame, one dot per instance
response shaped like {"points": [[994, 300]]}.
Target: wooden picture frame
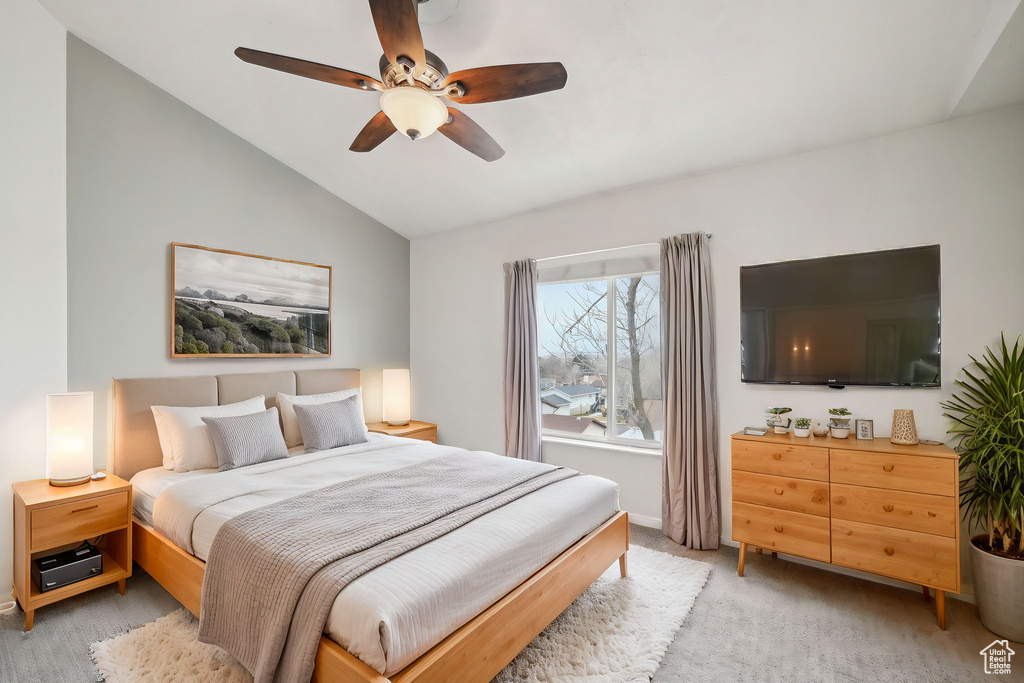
{"points": [[222, 318], [865, 429]]}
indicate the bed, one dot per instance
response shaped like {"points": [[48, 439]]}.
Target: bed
{"points": [[458, 608]]}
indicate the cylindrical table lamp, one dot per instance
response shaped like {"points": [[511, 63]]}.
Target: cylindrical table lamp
{"points": [[69, 438], [397, 397]]}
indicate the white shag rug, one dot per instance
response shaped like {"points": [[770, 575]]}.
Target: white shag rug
{"points": [[616, 632]]}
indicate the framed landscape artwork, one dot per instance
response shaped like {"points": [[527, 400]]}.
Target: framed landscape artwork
{"points": [[226, 304]]}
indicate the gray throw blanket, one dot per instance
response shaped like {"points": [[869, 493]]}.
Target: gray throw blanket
{"points": [[274, 572]]}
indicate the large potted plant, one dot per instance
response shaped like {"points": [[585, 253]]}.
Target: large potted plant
{"points": [[988, 411]]}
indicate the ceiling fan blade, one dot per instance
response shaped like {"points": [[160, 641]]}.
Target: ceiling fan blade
{"points": [[466, 133], [495, 83], [300, 67], [399, 31], [377, 130]]}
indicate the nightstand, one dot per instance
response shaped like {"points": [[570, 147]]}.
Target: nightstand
{"points": [[424, 431], [49, 519]]}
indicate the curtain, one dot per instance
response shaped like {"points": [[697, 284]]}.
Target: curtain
{"points": [[522, 396], [689, 507]]}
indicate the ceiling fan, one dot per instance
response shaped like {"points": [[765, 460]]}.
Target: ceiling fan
{"points": [[415, 84]]}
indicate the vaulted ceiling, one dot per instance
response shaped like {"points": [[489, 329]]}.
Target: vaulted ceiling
{"points": [[657, 89]]}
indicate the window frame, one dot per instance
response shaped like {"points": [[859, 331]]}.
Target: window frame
{"points": [[612, 350]]}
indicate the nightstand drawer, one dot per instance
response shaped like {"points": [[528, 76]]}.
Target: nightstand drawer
{"points": [[787, 532], [801, 462], [428, 434], [70, 522]]}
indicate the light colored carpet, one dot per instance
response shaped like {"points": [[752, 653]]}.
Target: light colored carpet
{"points": [[616, 632], [781, 622]]}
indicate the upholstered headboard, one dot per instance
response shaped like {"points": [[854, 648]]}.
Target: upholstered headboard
{"points": [[136, 446]]}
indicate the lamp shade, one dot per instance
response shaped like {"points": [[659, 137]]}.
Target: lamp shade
{"points": [[397, 392], [414, 112], [69, 438]]}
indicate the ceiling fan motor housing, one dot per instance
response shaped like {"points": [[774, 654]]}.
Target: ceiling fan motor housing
{"points": [[395, 75]]}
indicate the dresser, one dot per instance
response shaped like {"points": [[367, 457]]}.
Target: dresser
{"points": [[864, 504]]}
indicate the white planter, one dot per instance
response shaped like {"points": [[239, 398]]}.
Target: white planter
{"points": [[801, 432], [999, 590], [840, 432], [780, 430]]}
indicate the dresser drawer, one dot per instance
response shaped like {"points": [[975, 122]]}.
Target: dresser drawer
{"points": [[901, 472], [897, 553], [800, 462], [784, 531], [901, 509], [798, 495], [70, 522]]}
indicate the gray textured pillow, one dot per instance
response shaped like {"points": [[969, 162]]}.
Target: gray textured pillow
{"points": [[330, 425], [247, 439]]}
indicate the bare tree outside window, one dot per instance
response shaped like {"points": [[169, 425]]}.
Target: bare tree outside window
{"points": [[575, 352]]}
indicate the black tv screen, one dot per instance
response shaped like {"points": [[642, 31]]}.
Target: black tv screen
{"points": [[869, 319]]}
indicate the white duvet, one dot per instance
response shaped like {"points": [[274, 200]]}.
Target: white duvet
{"points": [[393, 614]]}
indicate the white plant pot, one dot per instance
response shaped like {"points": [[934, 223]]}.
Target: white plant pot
{"points": [[780, 430], [801, 432], [840, 432], [999, 590]]}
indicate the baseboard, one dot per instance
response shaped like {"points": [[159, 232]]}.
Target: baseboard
{"points": [[966, 597], [644, 520]]}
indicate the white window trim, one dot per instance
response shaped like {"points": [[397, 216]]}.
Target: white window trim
{"points": [[653, 450], [611, 300]]}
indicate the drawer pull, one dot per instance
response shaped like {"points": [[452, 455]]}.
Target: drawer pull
{"points": [[779, 528], [889, 551], [932, 514], [777, 456], [887, 468], [887, 508], [91, 507], [778, 492]]}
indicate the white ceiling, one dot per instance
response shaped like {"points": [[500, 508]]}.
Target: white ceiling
{"points": [[657, 88]]}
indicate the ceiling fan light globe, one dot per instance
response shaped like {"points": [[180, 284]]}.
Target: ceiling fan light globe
{"points": [[414, 112]]}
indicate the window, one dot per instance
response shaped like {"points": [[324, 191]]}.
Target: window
{"points": [[600, 355]]}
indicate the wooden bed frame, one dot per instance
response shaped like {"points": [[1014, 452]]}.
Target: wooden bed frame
{"points": [[475, 652]]}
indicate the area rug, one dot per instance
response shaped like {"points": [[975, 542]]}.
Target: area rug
{"points": [[616, 632]]}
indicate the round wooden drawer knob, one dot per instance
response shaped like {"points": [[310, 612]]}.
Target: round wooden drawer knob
{"points": [[887, 508], [889, 551], [887, 468], [778, 492], [778, 529], [777, 456]]}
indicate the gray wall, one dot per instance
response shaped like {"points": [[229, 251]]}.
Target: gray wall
{"points": [[144, 170], [33, 353]]}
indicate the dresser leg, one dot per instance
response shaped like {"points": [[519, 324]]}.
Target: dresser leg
{"points": [[927, 595], [623, 566], [940, 607], [757, 550], [120, 586], [743, 558], [30, 616]]}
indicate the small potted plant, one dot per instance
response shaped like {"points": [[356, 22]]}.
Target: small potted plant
{"points": [[776, 419], [988, 420], [802, 427], [839, 422]]}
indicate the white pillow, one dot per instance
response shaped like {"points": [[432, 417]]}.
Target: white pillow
{"points": [[185, 439], [286, 404]]}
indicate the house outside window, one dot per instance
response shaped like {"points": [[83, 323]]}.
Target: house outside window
{"points": [[599, 323]]}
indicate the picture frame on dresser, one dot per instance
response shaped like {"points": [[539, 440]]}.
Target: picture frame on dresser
{"points": [[869, 505]]}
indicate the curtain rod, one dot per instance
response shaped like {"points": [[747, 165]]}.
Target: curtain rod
{"points": [[598, 251]]}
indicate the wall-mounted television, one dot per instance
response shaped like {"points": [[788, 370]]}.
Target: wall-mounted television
{"points": [[867, 319]]}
